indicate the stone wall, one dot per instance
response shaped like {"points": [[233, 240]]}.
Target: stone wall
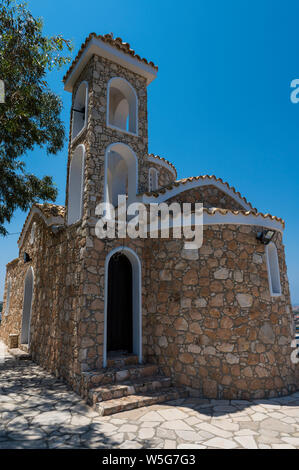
{"points": [[57, 299], [208, 318], [54, 339], [11, 323], [98, 135], [211, 323]]}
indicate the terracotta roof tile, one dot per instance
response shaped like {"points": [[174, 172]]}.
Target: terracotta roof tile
{"points": [[216, 210], [51, 210], [194, 178], [108, 38]]}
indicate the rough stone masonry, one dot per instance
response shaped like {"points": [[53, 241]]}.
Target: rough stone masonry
{"points": [[209, 320]]}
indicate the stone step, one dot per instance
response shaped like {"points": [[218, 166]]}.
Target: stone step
{"points": [[92, 379], [123, 389], [132, 402], [19, 354], [121, 360]]}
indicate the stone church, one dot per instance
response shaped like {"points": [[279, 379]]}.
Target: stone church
{"points": [[129, 322]]}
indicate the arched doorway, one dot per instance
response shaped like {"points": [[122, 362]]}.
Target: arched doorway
{"points": [[120, 307], [27, 304], [123, 313]]}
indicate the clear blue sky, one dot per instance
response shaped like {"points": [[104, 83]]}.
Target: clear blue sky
{"points": [[220, 104]]}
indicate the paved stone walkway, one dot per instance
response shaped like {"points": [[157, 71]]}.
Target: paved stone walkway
{"points": [[39, 411]]}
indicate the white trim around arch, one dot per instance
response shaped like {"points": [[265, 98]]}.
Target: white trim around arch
{"points": [[182, 187], [76, 185], [75, 134], [137, 300], [133, 113], [132, 163], [27, 306]]}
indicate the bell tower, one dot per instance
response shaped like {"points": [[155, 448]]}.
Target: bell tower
{"points": [[108, 143]]}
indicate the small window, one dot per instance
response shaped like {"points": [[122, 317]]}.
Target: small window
{"points": [[8, 296], [122, 105], [75, 193], [32, 233], [273, 270], [153, 179], [79, 110]]}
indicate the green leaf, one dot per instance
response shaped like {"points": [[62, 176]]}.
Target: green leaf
{"points": [[30, 115]]}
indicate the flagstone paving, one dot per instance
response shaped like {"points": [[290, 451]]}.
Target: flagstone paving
{"points": [[39, 411]]}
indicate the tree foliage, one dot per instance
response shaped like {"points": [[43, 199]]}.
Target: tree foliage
{"points": [[29, 116]]}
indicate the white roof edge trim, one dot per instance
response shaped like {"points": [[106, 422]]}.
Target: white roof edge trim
{"points": [[231, 219], [193, 184], [242, 219], [160, 162], [98, 47], [48, 221]]}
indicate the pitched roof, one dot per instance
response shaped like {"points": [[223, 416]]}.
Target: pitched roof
{"points": [[118, 43], [51, 210], [48, 211], [183, 181]]}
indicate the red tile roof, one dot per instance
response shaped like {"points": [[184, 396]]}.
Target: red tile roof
{"points": [[194, 178], [164, 160], [108, 38]]}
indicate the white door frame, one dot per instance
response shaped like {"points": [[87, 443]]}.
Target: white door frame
{"points": [[137, 301]]}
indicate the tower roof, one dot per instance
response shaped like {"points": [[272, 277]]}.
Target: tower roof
{"points": [[113, 49]]}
